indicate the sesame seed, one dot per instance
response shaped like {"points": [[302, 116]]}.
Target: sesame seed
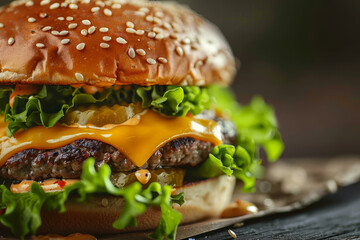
{"points": [[65, 41], [108, 3], [54, 6], [55, 33], [151, 34], [157, 20], [174, 36], [80, 46], [104, 45], [159, 36], [121, 40], [131, 53], [167, 25], [72, 25], [40, 45], [159, 14], [107, 12], [130, 30], [162, 60], [141, 52], [151, 61], [31, 20], [69, 18], [86, 22], [179, 51], [11, 41], [116, 6], [95, 9], [140, 32], [43, 15], [231, 233], [44, 2], [2, 25], [91, 30], [100, 3], [104, 29], [84, 32], [73, 6], [138, 13], [186, 40], [143, 9], [64, 33], [106, 38], [45, 29], [29, 3], [85, 1], [64, 4], [61, 18], [104, 202], [79, 77], [149, 18], [176, 27], [157, 29], [130, 24]]}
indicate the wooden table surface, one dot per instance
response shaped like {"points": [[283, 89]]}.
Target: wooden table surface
{"points": [[336, 216]]}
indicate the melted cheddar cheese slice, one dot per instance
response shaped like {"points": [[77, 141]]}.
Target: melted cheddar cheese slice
{"points": [[137, 139]]}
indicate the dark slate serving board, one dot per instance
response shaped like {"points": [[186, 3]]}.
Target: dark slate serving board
{"points": [[336, 216]]}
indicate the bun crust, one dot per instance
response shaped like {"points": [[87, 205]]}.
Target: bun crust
{"points": [[205, 199], [95, 42]]}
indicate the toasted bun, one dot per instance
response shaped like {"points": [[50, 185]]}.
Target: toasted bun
{"points": [[205, 199], [55, 42]]}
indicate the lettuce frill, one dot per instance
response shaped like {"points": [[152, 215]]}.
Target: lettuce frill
{"points": [[52, 102]]}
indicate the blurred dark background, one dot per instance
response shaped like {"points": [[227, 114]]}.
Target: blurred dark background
{"points": [[303, 57]]}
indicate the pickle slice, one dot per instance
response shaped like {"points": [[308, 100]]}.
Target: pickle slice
{"points": [[100, 116], [171, 176]]}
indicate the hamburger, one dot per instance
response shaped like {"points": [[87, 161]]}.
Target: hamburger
{"points": [[117, 117]]}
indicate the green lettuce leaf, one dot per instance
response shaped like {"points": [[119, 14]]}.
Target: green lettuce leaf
{"points": [[22, 211], [52, 102], [48, 106], [256, 121], [4, 97], [257, 127], [27, 206], [230, 160], [174, 100]]}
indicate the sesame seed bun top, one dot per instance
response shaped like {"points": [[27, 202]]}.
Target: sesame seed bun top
{"points": [[103, 43]]}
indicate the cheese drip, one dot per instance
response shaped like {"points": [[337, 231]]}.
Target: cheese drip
{"points": [[138, 141]]}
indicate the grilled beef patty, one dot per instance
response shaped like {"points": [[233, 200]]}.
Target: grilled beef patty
{"points": [[66, 162]]}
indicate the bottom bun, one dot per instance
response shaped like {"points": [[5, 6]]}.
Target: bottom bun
{"points": [[203, 199]]}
